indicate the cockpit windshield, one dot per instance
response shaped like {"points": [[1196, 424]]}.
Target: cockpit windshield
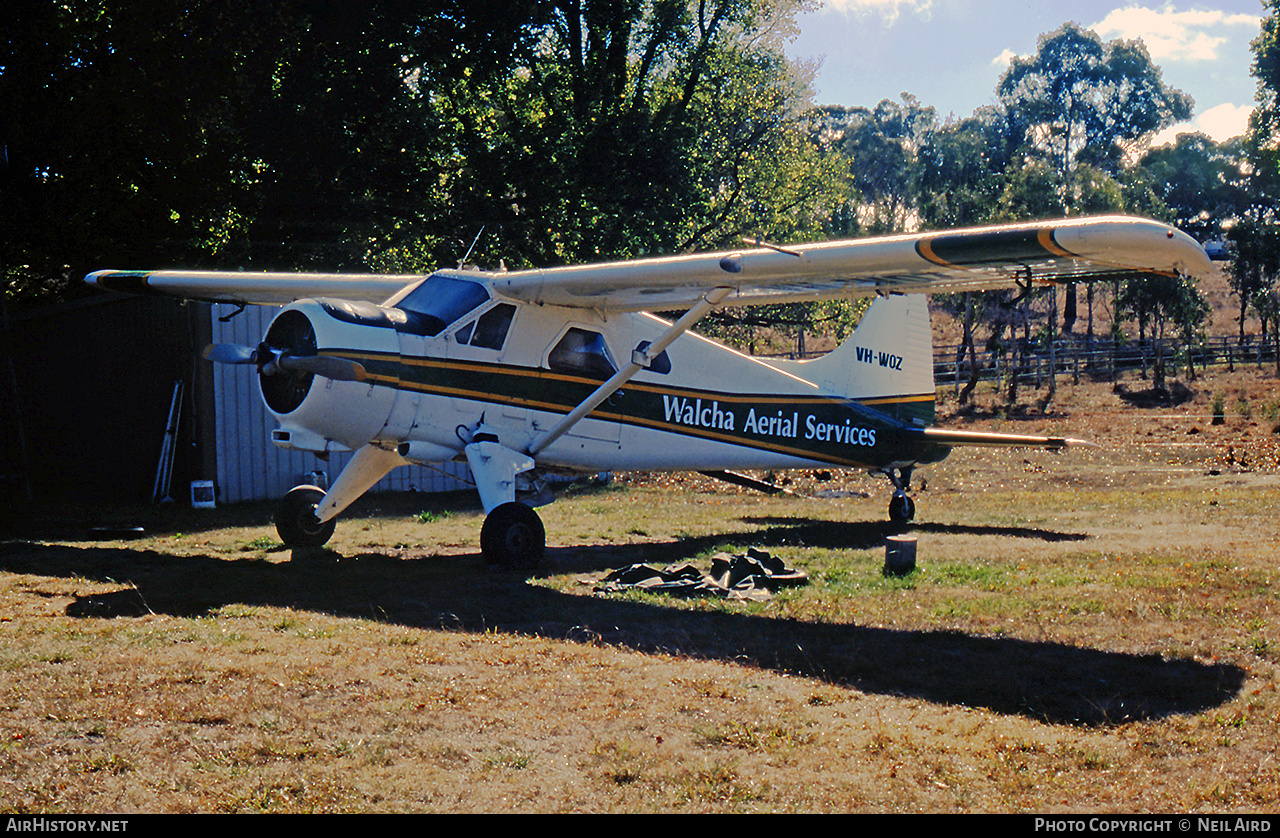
{"points": [[440, 300]]}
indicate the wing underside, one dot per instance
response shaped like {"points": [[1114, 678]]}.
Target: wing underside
{"points": [[1066, 250]]}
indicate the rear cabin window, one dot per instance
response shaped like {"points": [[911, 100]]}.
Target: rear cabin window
{"points": [[582, 352]]}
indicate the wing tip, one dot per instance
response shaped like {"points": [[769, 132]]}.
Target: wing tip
{"points": [[128, 282]]}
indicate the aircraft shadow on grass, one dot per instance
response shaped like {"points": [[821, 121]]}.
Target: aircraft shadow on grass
{"points": [[869, 535], [1043, 680]]}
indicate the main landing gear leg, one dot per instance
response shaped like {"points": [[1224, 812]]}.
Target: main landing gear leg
{"points": [[305, 517], [512, 534], [902, 509]]}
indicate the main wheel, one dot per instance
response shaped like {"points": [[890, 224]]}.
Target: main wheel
{"points": [[296, 518], [513, 535], [901, 509]]}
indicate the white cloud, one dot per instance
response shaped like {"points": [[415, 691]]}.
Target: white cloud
{"points": [[1221, 123], [1171, 35], [887, 9], [1004, 59], [1225, 121]]}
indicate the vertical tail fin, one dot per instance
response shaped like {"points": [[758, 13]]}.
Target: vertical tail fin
{"points": [[887, 362]]}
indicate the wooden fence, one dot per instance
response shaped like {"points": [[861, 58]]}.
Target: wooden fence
{"points": [[1097, 359]]}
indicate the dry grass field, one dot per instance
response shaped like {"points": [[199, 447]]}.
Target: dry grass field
{"points": [[1096, 631]]}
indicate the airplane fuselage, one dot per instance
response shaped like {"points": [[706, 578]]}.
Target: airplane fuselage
{"points": [[519, 369]]}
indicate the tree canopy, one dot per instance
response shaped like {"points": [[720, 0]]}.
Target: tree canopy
{"points": [[1081, 101], [319, 134], [388, 136]]}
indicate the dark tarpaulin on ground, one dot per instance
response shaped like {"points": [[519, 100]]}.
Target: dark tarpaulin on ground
{"points": [[754, 575]]}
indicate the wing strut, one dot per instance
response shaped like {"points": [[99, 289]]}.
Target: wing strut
{"points": [[640, 359]]}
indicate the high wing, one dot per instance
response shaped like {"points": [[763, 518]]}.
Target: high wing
{"points": [[1064, 250], [973, 259], [254, 288]]}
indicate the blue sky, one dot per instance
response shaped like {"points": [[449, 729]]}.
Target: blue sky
{"points": [[950, 53]]}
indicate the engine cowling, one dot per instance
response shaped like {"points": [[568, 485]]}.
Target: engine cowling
{"points": [[314, 411]]}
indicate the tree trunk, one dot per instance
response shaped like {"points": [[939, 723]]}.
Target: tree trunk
{"points": [[1157, 368], [1053, 340], [967, 346], [1089, 334]]}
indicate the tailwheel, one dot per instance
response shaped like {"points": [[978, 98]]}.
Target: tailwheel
{"points": [[513, 536], [902, 509], [296, 520]]}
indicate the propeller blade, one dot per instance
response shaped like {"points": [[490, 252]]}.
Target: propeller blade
{"points": [[338, 369], [230, 353]]}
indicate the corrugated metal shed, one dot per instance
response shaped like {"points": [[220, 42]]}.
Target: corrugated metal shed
{"points": [[249, 465], [83, 416]]}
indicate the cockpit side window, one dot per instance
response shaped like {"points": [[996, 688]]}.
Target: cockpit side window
{"points": [[491, 328], [582, 352], [438, 301]]}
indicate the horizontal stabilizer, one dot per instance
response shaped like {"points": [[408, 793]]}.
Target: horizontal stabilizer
{"points": [[943, 436]]}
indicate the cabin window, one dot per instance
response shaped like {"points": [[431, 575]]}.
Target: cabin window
{"points": [[582, 352], [491, 328], [661, 364], [440, 300]]}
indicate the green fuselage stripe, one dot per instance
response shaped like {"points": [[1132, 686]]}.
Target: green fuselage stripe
{"points": [[832, 429]]}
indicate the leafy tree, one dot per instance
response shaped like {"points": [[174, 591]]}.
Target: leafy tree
{"points": [[1255, 235], [1264, 124], [231, 133], [1202, 183], [1079, 100], [108, 151], [1080, 105], [1160, 301], [318, 134], [881, 147], [664, 126], [962, 167], [1256, 246]]}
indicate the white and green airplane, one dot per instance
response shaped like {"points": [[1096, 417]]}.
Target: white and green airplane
{"points": [[535, 372]]}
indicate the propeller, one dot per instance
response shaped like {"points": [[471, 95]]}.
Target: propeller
{"points": [[272, 361], [230, 353], [338, 369]]}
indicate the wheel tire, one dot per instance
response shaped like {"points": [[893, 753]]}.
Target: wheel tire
{"points": [[513, 536], [902, 509], [296, 518]]}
